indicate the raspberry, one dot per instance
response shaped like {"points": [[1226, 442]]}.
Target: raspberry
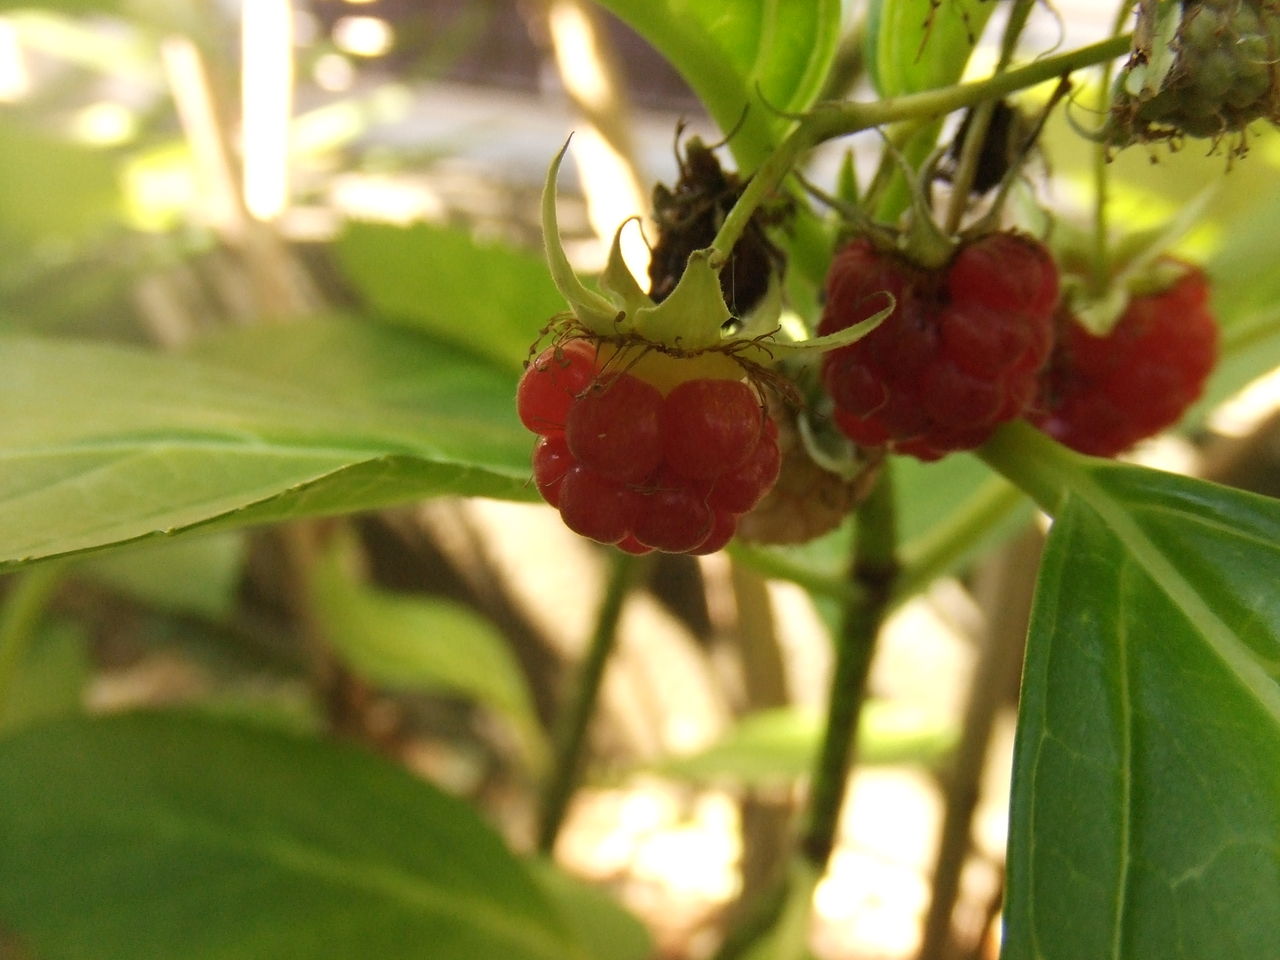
{"points": [[551, 461], [709, 427], [808, 500], [1101, 395], [615, 429], [740, 489], [597, 507], [959, 354], [642, 466], [551, 383]]}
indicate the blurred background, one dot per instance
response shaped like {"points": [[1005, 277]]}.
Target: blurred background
{"points": [[169, 170]]}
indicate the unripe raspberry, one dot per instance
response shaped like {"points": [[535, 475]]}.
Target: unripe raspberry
{"points": [[808, 500], [1224, 74], [959, 354]]}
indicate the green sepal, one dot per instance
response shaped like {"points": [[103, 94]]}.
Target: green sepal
{"points": [[1139, 266], [618, 280], [781, 350], [594, 311], [689, 320]]}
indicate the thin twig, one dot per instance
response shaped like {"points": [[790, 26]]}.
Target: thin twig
{"points": [[571, 730], [874, 568]]}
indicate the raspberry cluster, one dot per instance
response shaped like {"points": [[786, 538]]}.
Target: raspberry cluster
{"points": [[644, 468], [1101, 395], [960, 353]]}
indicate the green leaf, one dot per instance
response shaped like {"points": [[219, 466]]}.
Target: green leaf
{"points": [[486, 298], [160, 836], [103, 445], [605, 928], [416, 642], [1146, 794], [778, 746], [757, 56], [915, 45]]}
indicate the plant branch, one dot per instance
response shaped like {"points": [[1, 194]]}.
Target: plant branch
{"points": [[571, 729], [980, 121], [1100, 267], [1039, 465], [934, 554], [828, 121], [874, 569]]}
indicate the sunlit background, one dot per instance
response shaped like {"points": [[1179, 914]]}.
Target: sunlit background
{"points": [[168, 168]]}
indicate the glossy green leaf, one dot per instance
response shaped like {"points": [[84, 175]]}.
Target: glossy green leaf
{"points": [[606, 929], [487, 298], [416, 642], [1146, 794], [757, 56], [102, 445], [778, 746], [161, 836], [915, 45]]}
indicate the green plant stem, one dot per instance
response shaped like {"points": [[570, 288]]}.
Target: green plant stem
{"points": [[827, 121], [780, 567], [571, 728], [980, 120], [23, 608], [1100, 268], [933, 555], [1043, 468], [927, 558], [874, 568]]}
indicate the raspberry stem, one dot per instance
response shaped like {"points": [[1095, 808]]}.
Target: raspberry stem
{"points": [[572, 723], [874, 569], [981, 120], [1044, 469], [831, 120]]}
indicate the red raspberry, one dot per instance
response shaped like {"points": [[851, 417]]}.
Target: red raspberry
{"points": [[710, 427], [959, 354], [615, 428], [552, 381], [551, 461], [1101, 395], [647, 468]]}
